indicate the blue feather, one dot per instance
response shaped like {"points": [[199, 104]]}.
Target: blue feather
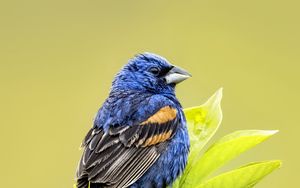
{"points": [[136, 94]]}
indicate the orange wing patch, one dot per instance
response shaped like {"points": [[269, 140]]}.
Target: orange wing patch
{"points": [[158, 138], [164, 115]]}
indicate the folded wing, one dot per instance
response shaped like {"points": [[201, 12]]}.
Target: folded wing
{"points": [[122, 155]]}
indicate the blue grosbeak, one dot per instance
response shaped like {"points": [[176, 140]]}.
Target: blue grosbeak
{"points": [[139, 137]]}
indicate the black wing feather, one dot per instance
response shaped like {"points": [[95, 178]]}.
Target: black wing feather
{"points": [[121, 156]]}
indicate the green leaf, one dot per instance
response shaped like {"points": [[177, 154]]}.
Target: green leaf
{"points": [[203, 122], [224, 150], [243, 177]]}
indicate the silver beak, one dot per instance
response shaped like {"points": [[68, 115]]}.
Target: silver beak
{"points": [[176, 75]]}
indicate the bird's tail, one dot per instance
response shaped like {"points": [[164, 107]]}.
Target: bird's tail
{"points": [[82, 182]]}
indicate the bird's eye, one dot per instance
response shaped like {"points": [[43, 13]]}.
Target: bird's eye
{"points": [[154, 70]]}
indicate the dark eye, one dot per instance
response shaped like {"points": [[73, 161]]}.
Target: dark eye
{"points": [[154, 70]]}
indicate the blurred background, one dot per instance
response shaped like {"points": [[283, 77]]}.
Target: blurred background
{"points": [[58, 59]]}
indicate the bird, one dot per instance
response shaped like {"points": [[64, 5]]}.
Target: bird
{"points": [[139, 138]]}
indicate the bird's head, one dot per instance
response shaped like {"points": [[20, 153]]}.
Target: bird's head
{"points": [[149, 72]]}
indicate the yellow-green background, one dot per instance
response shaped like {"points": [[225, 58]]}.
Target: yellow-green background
{"points": [[57, 60]]}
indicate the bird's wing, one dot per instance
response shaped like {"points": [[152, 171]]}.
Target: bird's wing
{"points": [[121, 156]]}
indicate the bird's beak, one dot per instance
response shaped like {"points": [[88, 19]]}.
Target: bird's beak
{"points": [[176, 75]]}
